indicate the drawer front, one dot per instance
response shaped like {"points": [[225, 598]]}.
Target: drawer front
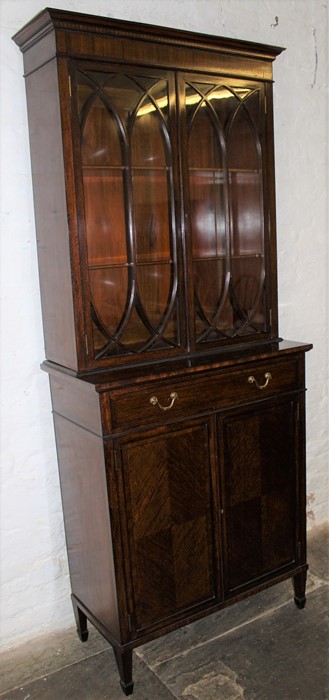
{"points": [[166, 401]]}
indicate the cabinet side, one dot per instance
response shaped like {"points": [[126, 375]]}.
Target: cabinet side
{"points": [[53, 242], [87, 522]]}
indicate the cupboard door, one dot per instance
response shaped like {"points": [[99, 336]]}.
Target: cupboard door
{"points": [[225, 165], [127, 153], [169, 508], [259, 453]]}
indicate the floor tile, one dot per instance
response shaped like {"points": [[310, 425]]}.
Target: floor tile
{"points": [[221, 622], [263, 648], [95, 678], [46, 654], [282, 656], [318, 552]]}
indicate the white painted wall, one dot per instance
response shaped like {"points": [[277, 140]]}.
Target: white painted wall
{"points": [[34, 573]]}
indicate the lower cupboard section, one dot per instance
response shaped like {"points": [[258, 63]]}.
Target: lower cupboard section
{"points": [[168, 524], [209, 509]]}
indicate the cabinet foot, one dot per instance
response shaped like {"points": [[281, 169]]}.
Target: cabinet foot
{"points": [[124, 661], [299, 583], [81, 622]]}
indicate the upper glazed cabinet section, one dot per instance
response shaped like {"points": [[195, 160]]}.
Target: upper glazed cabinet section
{"points": [[153, 172]]}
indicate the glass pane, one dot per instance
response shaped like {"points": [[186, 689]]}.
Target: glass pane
{"points": [[224, 103], [101, 141], [149, 131], [154, 283], [192, 98], [209, 285], [124, 95], [207, 213], [203, 131], [105, 219], [247, 290], [84, 90], [145, 82], [209, 279], [246, 213], [147, 139], [228, 278], [252, 104], [243, 146], [136, 334], [244, 162], [109, 289], [208, 218], [204, 88], [129, 221], [159, 94], [151, 209]]}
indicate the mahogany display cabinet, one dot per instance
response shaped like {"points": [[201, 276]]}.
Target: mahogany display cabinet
{"points": [[179, 412]]}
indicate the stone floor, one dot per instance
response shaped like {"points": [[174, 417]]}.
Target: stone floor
{"points": [[261, 649]]}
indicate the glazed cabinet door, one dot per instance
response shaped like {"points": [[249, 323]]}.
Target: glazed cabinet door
{"points": [[126, 175], [259, 453], [226, 216], [166, 484]]}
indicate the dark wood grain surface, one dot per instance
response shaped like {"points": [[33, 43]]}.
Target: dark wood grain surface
{"points": [[179, 412]]}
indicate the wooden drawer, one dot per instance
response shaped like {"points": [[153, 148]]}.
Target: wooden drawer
{"points": [[157, 402]]}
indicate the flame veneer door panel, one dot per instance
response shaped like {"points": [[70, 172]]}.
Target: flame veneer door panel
{"points": [[260, 464], [168, 485]]}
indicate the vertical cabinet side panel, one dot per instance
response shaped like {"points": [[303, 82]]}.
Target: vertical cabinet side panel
{"points": [[51, 214], [87, 521]]}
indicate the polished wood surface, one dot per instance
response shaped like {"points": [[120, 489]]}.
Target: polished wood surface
{"points": [[260, 500], [87, 35], [169, 510], [179, 412], [211, 393], [168, 245], [185, 505], [87, 522], [42, 90]]}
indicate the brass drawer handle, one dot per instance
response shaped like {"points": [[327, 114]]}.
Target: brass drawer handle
{"points": [[252, 380], [155, 401]]}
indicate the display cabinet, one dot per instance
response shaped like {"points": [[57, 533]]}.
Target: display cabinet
{"points": [[178, 409]]}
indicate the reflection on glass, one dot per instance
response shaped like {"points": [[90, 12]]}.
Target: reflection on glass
{"points": [[124, 93], [247, 293], [243, 146], [210, 280], [109, 288], [105, 233], [154, 289], [101, 143], [207, 213], [151, 210], [246, 213], [147, 142], [206, 186]]}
